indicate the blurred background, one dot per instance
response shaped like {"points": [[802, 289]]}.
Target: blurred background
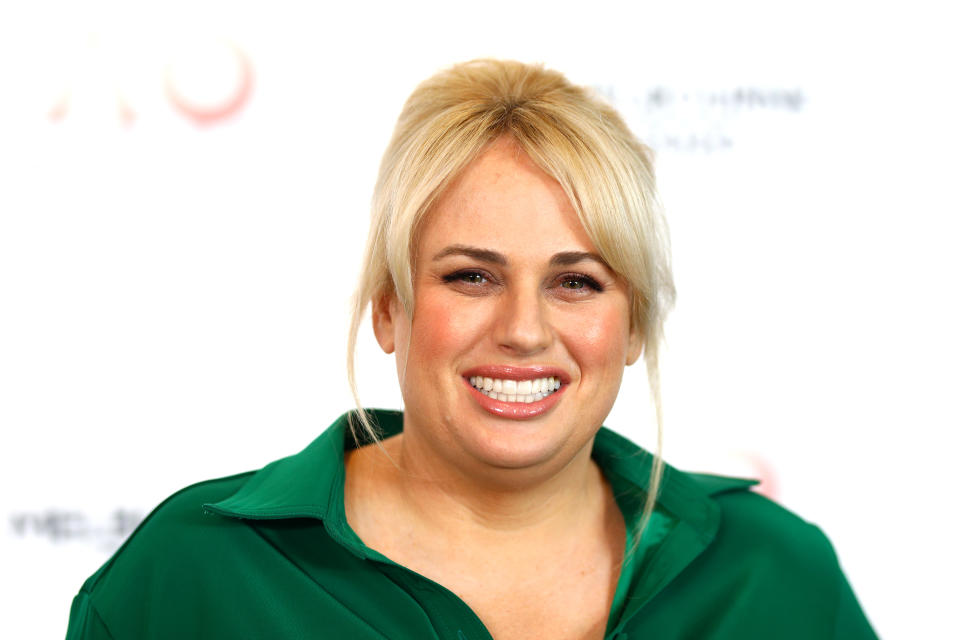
{"points": [[184, 194]]}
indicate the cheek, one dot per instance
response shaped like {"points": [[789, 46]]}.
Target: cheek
{"points": [[598, 341], [441, 330]]}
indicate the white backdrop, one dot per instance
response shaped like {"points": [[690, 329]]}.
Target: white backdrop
{"points": [[183, 199]]}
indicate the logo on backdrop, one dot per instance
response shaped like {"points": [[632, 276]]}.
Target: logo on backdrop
{"points": [[65, 525], [205, 80], [697, 120]]}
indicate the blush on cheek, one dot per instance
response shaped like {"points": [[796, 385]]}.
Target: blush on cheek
{"points": [[599, 337], [439, 329]]}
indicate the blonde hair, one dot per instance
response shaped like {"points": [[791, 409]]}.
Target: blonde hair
{"points": [[573, 136]]}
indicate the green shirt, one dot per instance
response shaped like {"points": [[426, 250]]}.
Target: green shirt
{"points": [[269, 554]]}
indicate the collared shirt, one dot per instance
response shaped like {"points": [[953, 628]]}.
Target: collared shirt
{"points": [[269, 554]]}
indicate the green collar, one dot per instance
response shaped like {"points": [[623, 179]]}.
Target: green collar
{"points": [[310, 485]]}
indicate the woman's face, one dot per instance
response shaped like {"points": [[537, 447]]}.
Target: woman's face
{"points": [[510, 298]]}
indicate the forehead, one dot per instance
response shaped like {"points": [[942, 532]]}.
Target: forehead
{"points": [[503, 201]]}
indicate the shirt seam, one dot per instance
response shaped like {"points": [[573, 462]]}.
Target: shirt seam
{"points": [[435, 589], [319, 586], [96, 612], [837, 580], [292, 511]]}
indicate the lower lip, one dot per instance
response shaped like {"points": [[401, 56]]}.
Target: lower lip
{"points": [[516, 410]]}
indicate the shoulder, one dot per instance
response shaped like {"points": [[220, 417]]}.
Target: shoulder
{"points": [[751, 523], [767, 560], [176, 525], [162, 561], [764, 573], [753, 528]]}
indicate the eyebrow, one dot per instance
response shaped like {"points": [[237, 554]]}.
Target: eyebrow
{"points": [[562, 259], [567, 258], [484, 255]]}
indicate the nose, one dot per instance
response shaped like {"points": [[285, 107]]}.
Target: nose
{"points": [[523, 327]]}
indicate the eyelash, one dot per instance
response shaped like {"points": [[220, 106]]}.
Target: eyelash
{"points": [[463, 273], [584, 278], [460, 276]]}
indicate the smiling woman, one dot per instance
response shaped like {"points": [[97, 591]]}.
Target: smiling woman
{"points": [[517, 264], [532, 295]]}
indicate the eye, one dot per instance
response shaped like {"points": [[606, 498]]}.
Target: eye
{"points": [[472, 281], [466, 276], [471, 277], [579, 282]]}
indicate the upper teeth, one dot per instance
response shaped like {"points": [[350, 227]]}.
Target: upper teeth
{"points": [[516, 390]]}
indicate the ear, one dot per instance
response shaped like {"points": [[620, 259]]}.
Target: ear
{"points": [[634, 346], [384, 310]]}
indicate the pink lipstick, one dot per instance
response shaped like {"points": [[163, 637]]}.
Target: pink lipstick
{"points": [[532, 390]]}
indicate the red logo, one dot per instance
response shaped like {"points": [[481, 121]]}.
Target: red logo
{"points": [[205, 80]]}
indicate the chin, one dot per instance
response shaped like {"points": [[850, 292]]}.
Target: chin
{"points": [[515, 445]]}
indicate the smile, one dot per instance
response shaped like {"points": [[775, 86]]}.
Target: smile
{"points": [[516, 393], [521, 391]]}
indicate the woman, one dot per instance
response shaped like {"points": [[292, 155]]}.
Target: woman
{"points": [[516, 265]]}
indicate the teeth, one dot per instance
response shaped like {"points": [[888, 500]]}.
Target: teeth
{"points": [[507, 390]]}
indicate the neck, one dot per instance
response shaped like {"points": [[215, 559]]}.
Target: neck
{"points": [[467, 501]]}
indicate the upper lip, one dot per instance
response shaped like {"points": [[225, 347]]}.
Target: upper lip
{"points": [[511, 372]]}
